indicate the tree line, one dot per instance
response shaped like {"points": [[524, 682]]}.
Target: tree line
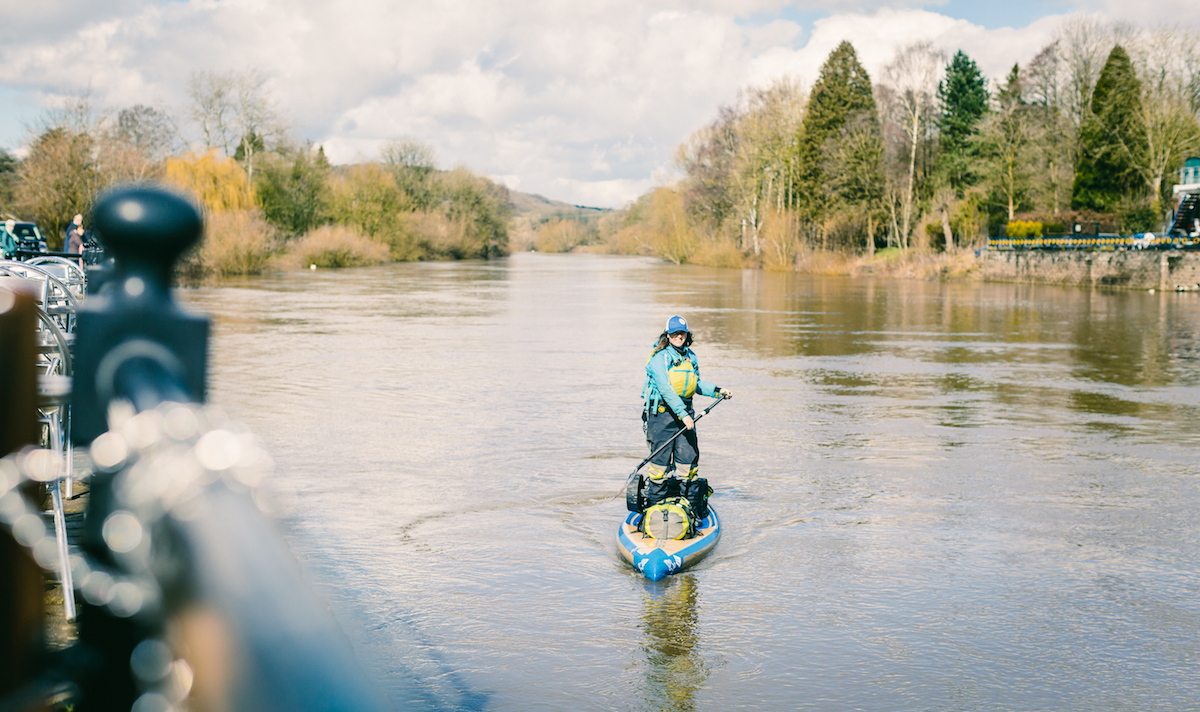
{"points": [[932, 155], [268, 198]]}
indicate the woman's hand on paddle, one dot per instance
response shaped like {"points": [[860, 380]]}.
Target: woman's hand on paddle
{"points": [[722, 393], [689, 423]]}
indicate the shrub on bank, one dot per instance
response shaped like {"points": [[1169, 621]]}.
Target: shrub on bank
{"points": [[669, 234], [558, 235], [718, 252], [435, 236], [335, 246], [1024, 228], [779, 241], [235, 242]]}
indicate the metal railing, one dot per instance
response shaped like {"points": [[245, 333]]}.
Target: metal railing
{"points": [[58, 290], [1101, 242]]}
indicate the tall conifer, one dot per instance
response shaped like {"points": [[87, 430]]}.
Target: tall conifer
{"points": [[1112, 141], [963, 97], [841, 97]]}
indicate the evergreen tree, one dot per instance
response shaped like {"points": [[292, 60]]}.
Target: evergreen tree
{"points": [[963, 97], [841, 95], [1112, 140]]}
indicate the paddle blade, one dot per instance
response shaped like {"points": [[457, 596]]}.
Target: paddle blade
{"points": [[634, 500]]}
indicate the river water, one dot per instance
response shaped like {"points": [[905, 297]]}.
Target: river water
{"points": [[935, 496]]}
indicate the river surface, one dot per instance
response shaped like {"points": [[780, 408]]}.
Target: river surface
{"points": [[935, 496]]}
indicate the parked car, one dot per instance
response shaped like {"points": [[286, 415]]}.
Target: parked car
{"points": [[25, 235]]}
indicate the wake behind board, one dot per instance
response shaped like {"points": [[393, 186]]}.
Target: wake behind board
{"points": [[659, 558]]}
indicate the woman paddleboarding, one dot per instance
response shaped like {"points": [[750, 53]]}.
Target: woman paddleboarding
{"points": [[670, 525], [672, 379]]}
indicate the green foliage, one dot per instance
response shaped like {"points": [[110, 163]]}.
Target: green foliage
{"points": [[841, 95], [968, 217], [481, 206], [1112, 139], [364, 197], [963, 97], [854, 165], [250, 145], [290, 187]]}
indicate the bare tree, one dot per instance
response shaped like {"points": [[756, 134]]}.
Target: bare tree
{"points": [[148, 129], [75, 151], [1042, 81], [764, 174], [235, 113], [913, 76], [212, 108], [1168, 65], [409, 153]]}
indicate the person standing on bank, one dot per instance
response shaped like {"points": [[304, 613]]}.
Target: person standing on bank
{"points": [[672, 378], [75, 243], [75, 224]]}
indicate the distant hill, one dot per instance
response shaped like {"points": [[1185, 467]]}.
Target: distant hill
{"points": [[532, 205]]}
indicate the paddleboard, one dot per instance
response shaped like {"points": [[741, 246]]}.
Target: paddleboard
{"points": [[659, 558]]}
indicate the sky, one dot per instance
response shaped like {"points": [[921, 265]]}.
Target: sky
{"points": [[578, 101]]}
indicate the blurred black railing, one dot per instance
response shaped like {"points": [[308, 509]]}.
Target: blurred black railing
{"points": [[188, 596]]}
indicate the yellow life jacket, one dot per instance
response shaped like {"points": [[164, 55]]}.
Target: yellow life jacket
{"points": [[684, 377], [682, 371]]}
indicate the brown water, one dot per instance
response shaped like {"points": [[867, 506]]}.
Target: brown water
{"points": [[935, 497]]}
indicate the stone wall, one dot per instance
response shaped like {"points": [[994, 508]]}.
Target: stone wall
{"points": [[1127, 269]]}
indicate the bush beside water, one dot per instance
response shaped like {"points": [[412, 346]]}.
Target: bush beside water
{"points": [[235, 242], [335, 246], [299, 211]]}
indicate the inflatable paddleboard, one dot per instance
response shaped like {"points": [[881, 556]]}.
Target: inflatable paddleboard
{"points": [[659, 558]]}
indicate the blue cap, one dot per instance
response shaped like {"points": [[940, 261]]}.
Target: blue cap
{"points": [[676, 324]]}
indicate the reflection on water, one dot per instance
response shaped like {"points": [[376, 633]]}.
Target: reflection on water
{"points": [[675, 668], [935, 496]]}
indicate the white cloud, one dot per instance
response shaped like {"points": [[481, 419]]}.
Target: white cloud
{"points": [[577, 101], [876, 38]]}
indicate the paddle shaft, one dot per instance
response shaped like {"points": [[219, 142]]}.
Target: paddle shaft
{"points": [[667, 443]]}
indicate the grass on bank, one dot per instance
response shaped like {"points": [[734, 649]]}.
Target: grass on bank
{"points": [[660, 224]]}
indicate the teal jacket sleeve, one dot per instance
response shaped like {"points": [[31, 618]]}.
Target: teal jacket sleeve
{"points": [[656, 368], [705, 388]]}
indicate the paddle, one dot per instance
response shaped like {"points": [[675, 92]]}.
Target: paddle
{"points": [[642, 464]]}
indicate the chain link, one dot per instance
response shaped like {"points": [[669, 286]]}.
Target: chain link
{"points": [[162, 463]]}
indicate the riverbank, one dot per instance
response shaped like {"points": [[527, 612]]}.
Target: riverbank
{"points": [[1118, 269], [1121, 269]]}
